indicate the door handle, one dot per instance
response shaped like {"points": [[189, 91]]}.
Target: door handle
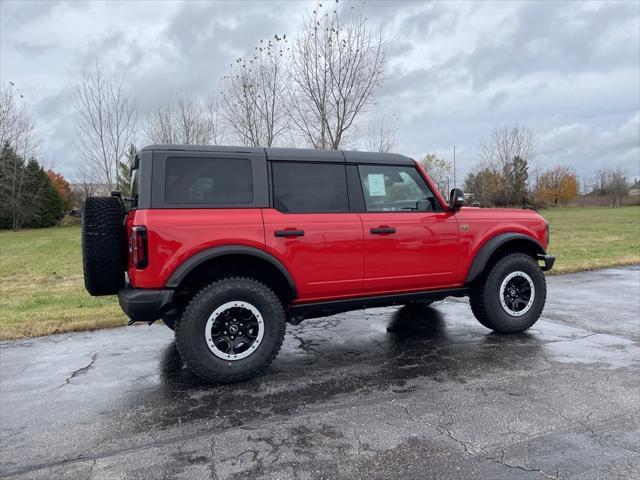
{"points": [[382, 230], [288, 233]]}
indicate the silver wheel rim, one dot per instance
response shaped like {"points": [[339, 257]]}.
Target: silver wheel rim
{"points": [[229, 326], [517, 293]]}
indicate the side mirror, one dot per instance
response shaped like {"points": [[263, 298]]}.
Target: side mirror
{"points": [[456, 199]]}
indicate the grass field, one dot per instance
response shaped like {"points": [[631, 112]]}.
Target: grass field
{"points": [[42, 291], [588, 238], [41, 285]]}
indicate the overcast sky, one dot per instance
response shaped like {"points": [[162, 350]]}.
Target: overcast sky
{"points": [[569, 71]]}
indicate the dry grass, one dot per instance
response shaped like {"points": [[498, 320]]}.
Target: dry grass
{"points": [[590, 238], [41, 286], [42, 292]]}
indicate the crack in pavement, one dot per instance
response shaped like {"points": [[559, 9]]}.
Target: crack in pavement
{"points": [[212, 463], [465, 444], [305, 345], [500, 461], [80, 371]]}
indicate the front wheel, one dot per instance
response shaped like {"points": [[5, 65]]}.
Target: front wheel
{"points": [[510, 297], [231, 330]]}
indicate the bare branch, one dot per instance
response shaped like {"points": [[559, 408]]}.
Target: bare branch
{"points": [[381, 137], [253, 94], [106, 121], [504, 155], [183, 121], [17, 135], [337, 64]]}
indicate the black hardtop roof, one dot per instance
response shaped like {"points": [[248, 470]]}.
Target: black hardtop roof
{"points": [[294, 154]]}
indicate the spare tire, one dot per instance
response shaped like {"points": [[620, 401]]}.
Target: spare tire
{"points": [[103, 245]]}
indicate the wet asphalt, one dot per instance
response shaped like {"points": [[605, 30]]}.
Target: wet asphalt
{"points": [[411, 392]]}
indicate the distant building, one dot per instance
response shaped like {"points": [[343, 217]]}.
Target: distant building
{"points": [[634, 190]]}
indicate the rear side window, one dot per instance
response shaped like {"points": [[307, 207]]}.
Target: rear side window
{"points": [[393, 188], [309, 187], [208, 181], [135, 180]]}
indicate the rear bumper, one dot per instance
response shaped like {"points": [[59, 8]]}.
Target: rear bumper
{"points": [[548, 261], [144, 305]]}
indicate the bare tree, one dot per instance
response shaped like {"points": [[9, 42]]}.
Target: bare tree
{"points": [[87, 180], [602, 182], [382, 135], [253, 94], [439, 170], [216, 125], [16, 124], [182, 121], [505, 154], [106, 121], [337, 64], [618, 186], [18, 143]]}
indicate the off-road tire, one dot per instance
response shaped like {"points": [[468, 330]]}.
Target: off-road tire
{"points": [[190, 330], [485, 295], [103, 245]]}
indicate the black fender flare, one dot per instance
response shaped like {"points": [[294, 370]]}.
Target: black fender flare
{"points": [[192, 262], [489, 248]]}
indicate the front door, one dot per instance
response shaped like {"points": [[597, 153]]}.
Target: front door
{"points": [[311, 230], [405, 249]]}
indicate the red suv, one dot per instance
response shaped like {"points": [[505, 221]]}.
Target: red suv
{"points": [[228, 244]]}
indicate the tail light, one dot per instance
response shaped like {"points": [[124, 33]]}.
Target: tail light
{"points": [[138, 247]]}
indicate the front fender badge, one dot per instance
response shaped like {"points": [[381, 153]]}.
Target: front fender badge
{"points": [[464, 227]]}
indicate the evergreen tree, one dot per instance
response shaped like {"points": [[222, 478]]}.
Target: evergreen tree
{"points": [[32, 185], [49, 206], [28, 199], [518, 194], [11, 168], [125, 171]]}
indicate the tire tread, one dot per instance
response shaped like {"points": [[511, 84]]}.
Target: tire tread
{"points": [[102, 245], [480, 301], [185, 344]]}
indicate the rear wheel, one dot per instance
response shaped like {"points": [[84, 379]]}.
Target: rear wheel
{"points": [[231, 330], [510, 296], [103, 245]]}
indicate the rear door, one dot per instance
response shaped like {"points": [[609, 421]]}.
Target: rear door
{"points": [[405, 249], [311, 230]]}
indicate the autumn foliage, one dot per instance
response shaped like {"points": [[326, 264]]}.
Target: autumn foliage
{"points": [[558, 185], [61, 186]]}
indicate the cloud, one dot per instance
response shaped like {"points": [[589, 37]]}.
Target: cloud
{"points": [[569, 71], [600, 146], [556, 37]]}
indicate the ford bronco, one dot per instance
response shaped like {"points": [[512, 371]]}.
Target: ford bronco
{"points": [[228, 244]]}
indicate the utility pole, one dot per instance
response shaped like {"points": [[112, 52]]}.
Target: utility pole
{"points": [[454, 166]]}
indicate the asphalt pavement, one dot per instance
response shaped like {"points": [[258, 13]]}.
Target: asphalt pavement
{"points": [[411, 392]]}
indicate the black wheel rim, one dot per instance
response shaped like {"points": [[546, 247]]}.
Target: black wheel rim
{"points": [[517, 293], [234, 330]]}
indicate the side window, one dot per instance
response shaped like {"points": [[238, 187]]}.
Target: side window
{"points": [[208, 180], [309, 187], [393, 188]]}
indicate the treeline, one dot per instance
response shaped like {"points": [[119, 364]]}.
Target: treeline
{"points": [[32, 197], [29, 196], [316, 89], [504, 177]]}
